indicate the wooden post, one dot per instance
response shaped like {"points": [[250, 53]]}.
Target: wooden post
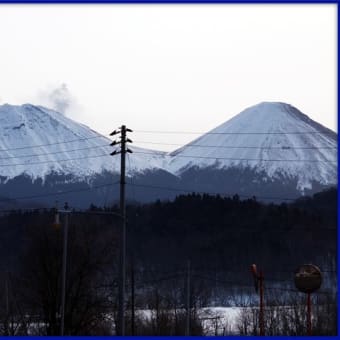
{"points": [[261, 315], [309, 315]]}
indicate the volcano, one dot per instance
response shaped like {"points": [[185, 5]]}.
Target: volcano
{"points": [[270, 150], [271, 142]]}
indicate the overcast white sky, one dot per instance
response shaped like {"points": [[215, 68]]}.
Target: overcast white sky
{"points": [[169, 67]]}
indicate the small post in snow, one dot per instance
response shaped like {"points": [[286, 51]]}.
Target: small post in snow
{"points": [[258, 281]]}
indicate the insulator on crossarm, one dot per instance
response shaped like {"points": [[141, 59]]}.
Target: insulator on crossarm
{"points": [[114, 143], [128, 150], [128, 130], [114, 153], [128, 140], [115, 132]]}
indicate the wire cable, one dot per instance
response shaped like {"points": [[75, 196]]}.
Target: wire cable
{"points": [[241, 284], [246, 159], [55, 161], [56, 152], [210, 193], [285, 148], [58, 193], [167, 132], [162, 153], [54, 143], [236, 133]]}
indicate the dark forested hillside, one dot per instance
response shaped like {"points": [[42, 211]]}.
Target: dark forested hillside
{"points": [[229, 234], [221, 237]]}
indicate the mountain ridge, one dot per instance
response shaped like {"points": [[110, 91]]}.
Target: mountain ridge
{"points": [[262, 149], [267, 137], [47, 142]]}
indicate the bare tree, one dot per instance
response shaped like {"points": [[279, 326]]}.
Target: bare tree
{"points": [[89, 285]]}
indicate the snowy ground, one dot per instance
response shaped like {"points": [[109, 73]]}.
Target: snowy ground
{"points": [[215, 320], [220, 320]]}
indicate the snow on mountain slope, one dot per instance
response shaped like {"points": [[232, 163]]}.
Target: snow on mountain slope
{"points": [[37, 141], [274, 138]]}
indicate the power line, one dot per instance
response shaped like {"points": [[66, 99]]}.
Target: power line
{"points": [[56, 152], [57, 193], [151, 187], [72, 211], [216, 193], [174, 132], [234, 133], [193, 145], [159, 280], [226, 270], [209, 193], [242, 285], [244, 147], [224, 282], [246, 159], [54, 143], [56, 161], [46, 209], [293, 307], [155, 187]]}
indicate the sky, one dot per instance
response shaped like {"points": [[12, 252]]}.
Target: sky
{"points": [[169, 67]]}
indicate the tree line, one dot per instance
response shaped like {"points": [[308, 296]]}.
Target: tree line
{"points": [[221, 236]]}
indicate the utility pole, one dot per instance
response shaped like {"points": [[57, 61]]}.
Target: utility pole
{"points": [[132, 295], [187, 324], [67, 211], [309, 315], [8, 314], [132, 274], [7, 294], [258, 281], [261, 316], [63, 282], [122, 254]]}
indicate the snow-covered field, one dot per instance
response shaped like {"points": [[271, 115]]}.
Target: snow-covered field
{"points": [[215, 320], [220, 320]]}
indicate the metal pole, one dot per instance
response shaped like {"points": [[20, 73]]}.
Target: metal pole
{"points": [[7, 294], [121, 302], [261, 315], [133, 275], [132, 295], [8, 314], [187, 328], [309, 315], [63, 282]]}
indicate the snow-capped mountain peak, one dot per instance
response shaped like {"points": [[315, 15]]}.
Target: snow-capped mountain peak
{"points": [[272, 138], [37, 141], [266, 148]]}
